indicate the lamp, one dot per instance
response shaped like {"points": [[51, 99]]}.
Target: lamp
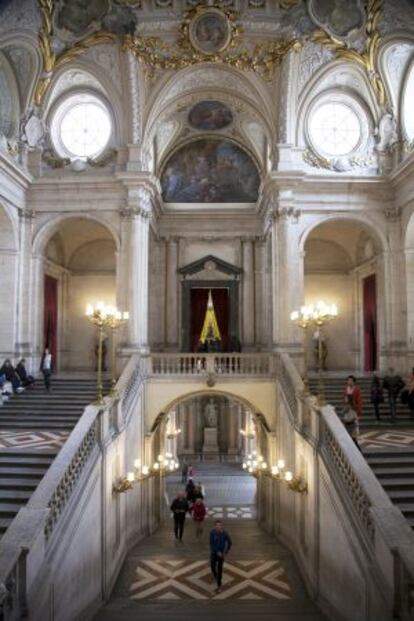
{"points": [[255, 464], [316, 315], [115, 320], [294, 483], [124, 484]]}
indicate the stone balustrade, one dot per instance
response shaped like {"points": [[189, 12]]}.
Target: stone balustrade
{"points": [[234, 364]]}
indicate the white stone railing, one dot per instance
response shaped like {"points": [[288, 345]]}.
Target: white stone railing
{"points": [[367, 514], [251, 364], [48, 504]]}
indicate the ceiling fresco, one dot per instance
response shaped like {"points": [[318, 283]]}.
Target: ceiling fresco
{"points": [[210, 115], [210, 171]]}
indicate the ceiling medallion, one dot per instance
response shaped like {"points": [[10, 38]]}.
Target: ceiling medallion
{"points": [[210, 34]]}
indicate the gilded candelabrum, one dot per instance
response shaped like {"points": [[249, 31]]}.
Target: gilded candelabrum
{"points": [[103, 317], [293, 482], [316, 315]]}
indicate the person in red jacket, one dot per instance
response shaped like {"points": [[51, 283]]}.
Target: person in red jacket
{"points": [[199, 513], [353, 392]]}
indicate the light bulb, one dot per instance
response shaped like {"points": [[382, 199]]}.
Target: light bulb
{"points": [[130, 477], [281, 464]]}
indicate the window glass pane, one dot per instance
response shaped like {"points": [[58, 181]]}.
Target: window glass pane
{"points": [[408, 107], [335, 128]]}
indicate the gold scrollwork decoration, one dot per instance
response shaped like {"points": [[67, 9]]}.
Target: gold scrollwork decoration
{"points": [[366, 59]]}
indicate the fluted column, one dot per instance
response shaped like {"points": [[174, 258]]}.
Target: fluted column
{"points": [[248, 294], [24, 335], [136, 217], [171, 297]]}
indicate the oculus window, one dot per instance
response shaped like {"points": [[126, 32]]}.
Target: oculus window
{"points": [[408, 106], [337, 127], [81, 126]]}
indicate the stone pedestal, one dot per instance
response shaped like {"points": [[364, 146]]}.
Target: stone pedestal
{"points": [[210, 444]]}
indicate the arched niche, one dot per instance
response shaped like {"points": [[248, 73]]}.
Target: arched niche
{"points": [[79, 269], [342, 265]]}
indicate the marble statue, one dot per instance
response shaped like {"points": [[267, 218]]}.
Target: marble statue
{"points": [[210, 413], [387, 134]]}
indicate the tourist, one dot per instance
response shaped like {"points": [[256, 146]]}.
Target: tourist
{"points": [[189, 491], [199, 512], [198, 492], [190, 471], [11, 376], [27, 380], [220, 545], [353, 390], [393, 384], [179, 509], [184, 470], [46, 367], [377, 395], [350, 420]]}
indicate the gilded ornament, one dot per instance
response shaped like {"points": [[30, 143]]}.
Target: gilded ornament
{"points": [[367, 59]]}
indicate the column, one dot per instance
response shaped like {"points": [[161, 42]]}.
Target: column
{"points": [[171, 297], [24, 336], [248, 294], [287, 273], [135, 267]]}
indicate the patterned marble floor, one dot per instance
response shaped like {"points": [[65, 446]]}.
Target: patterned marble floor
{"points": [[387, 439], [33, 439], [179, 579], [232, 512]]}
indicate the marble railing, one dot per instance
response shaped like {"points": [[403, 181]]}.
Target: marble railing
{"points": [[252, 364], [48, 504], [367, 514]]}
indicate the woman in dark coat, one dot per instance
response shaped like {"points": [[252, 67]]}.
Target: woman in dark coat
{"points": [[377, 395]]}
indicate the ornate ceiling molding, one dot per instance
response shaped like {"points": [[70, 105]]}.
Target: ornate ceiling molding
{"points": [[368, 58]]}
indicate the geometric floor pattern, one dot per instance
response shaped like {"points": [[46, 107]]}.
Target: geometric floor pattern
{"points": [[232, 512], [33, 439], [389, 439], [183, 580]]}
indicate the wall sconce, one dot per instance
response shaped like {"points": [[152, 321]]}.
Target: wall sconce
{"points": [[165, 462], [294, 483], [255, 464], [124, 484]]}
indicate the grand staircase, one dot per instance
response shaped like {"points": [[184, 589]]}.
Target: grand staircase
{"points": [[394, 468], [33, 426]]}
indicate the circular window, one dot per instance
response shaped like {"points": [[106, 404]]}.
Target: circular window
{"points": [[408, 117], [81, 126], [334, 128]]}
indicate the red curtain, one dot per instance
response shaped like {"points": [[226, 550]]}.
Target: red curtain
{"points": [[369, 294], [50, 316], [199, 298]]}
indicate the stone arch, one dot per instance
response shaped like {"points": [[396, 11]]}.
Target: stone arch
{"points": [[409, 280], [393, 57], [377, 233], [49, 228], [22, 48], [356, 338]]}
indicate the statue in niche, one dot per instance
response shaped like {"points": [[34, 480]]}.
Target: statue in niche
{"points": [[210, 414], [386, 134]]}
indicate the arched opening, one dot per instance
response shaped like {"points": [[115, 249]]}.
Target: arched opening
{"points": [[219, 443], [79, 268], [8, 270], [342, 266]]}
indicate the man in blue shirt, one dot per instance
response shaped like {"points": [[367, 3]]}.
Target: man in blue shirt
{"points": [[220, 544]]}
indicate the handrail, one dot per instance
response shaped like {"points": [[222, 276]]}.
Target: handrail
{"points": [[50, 498], [378, 518], [256, 364]]}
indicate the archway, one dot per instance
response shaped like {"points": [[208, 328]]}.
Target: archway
{"points": [[213, 437], [79, 268], [343, 266]]}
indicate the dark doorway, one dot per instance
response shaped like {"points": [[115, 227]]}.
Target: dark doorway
{"points": [[199, 297], [369, 294], [50, 316]]}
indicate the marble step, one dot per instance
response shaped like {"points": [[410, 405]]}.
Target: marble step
{"points": [[9, 510], [17, 496], [31, 473], [17, 461], [16, 483]]}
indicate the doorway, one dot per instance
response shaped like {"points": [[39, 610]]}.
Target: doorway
{"points": [[370, 326], [50, 316], [199, 298]]}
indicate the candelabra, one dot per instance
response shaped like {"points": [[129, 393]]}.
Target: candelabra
{"points": [[315, 315], [104, 316], [294, 483], [255, 464]]}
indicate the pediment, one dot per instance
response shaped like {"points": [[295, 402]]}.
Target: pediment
{"points": [[210, 268]]}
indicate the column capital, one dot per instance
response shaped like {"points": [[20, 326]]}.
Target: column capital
{"points": [[26, 214]]}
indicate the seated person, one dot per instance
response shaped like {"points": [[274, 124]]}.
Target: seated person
{"points": [[11, 376], [26, 380]]}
